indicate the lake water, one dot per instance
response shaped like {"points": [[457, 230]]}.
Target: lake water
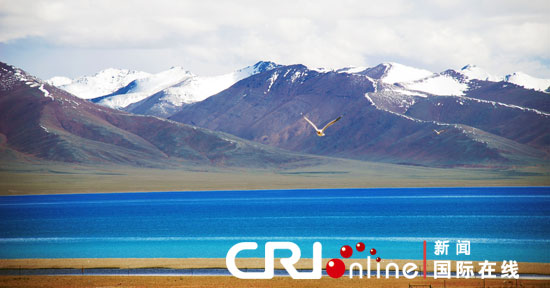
{"points": [[500, 223]]}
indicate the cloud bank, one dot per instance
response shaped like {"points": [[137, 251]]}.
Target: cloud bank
{"points": [[211, 37]]}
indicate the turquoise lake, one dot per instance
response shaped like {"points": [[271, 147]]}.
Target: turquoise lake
{"points": [[504, 223]]}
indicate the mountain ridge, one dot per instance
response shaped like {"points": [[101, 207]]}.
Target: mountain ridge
{"points": [[40, 121], [166, 99], [194, 89], [101, 83], [266, 108], [485, 123]]}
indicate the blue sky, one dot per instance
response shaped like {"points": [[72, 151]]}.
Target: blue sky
{"points": [[73, 38]]}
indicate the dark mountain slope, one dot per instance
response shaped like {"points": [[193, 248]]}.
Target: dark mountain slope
{"points": [[266, 108]]}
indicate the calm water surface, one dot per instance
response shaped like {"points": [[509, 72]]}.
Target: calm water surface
{"points": [[501, 223]]}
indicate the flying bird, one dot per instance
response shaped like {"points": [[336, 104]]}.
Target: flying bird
{"points": [[439, 132], [321, 132]]}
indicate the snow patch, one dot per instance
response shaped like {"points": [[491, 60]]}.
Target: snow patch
{"points": [[272, 80], [32, 84], [45, 129], [508, 105], [398, 73], [406, 117], [46, 93], [439, 85], [408, 92], [19, 76], [370, 99], [295, 76]]}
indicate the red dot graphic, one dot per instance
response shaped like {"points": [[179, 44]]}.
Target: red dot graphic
{"points": [[346, 251], [372, 251], [360, 246], [335, 268], [378, 259]]}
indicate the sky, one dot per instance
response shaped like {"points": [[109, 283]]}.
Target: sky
{"points": [[74, 38]]}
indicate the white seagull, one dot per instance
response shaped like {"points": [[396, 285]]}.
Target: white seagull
{"points": [[439, 132], [321, 132]]}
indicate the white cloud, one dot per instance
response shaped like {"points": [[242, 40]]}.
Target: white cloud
{"points": [[209, 37]]}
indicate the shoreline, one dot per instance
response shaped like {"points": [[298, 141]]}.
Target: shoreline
{"points": [[219, 263], [277, 189]]}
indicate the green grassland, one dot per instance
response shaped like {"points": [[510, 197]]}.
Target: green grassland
{"points": [[19, 178]]}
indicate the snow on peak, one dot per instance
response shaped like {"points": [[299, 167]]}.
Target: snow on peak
{"points": [[198, 88], [263, 66], [424, 80], [259, 67], [102, 83], [474, 72], [179, 88], [397, 73], [144, 87], [529, 82], [518, 78]]}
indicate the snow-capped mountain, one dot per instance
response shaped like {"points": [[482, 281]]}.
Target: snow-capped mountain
{"points": [[492, 124], [191, 89], [474, 72], [142, 88], [468, 82], [450, 82], [529, 82], [456, 84], [164, 93], [41, 122], [447, 83], [381, 121], [170, 89], [102, 83]]}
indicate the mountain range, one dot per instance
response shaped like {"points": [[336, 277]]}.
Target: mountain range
{"points": [[41, 122], [164, 93], [159, 94], [253, 117], [384, 119]]}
